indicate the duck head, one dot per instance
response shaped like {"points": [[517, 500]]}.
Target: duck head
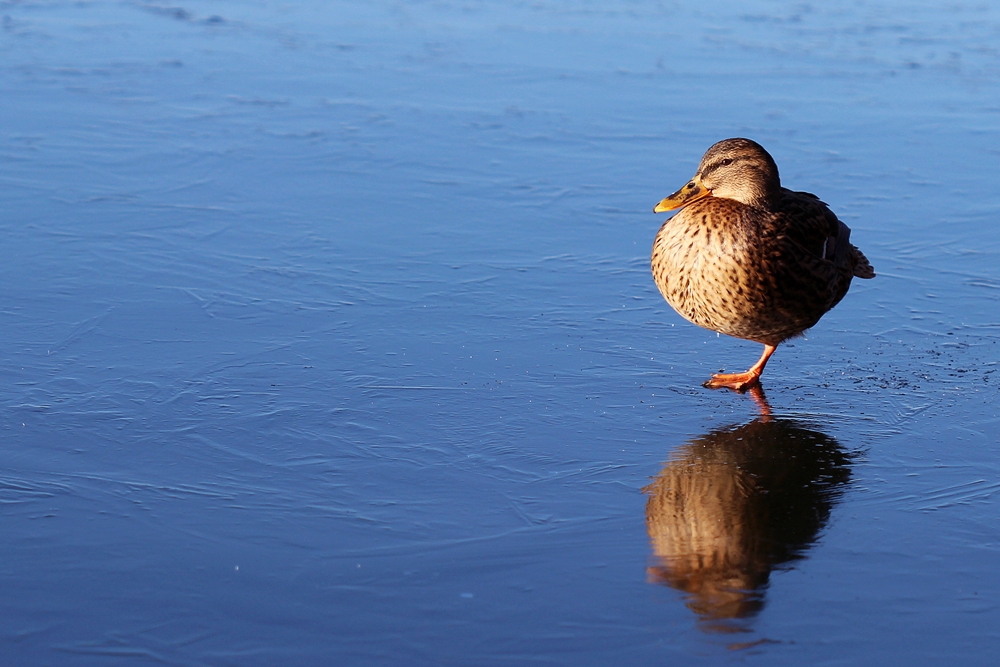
{"points": [[737, 169]]}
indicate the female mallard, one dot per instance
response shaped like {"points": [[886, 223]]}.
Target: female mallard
{"points": [[748, 258]]}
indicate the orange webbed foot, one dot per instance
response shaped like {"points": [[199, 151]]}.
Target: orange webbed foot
{"points": [[742, 381], [739, 382]]}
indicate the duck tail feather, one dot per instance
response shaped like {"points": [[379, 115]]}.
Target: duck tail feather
{"points": [[862, 268]]}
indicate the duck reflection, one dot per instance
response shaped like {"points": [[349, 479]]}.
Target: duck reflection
{"points": [[735, 503]]}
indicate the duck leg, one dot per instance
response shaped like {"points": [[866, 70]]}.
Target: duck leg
{"points": [[742, 381]]}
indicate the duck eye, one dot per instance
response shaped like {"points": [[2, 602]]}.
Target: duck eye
{"points": [[727, 161]]}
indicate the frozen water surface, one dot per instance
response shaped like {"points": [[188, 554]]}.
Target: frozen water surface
{"points": [[329, 337]]}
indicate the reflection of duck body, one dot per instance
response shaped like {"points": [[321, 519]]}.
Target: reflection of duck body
{"points": [[733, 504], [749, 258]]}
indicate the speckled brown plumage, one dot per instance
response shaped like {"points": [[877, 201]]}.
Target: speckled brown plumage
{"points": [[749, 258]]}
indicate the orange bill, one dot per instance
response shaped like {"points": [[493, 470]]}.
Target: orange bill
{"points": [[692, 191]]}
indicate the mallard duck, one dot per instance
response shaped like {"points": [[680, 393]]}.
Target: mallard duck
{"points": [[749, 258]]}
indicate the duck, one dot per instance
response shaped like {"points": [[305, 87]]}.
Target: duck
{"points": [[746, 257]]}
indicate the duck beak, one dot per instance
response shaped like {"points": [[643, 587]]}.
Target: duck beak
{"points": [[695, 189]]}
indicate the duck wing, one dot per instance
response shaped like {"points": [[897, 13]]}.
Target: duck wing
{"points": [[817, 244], [815, 221]]}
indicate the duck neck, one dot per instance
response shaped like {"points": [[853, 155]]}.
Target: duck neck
{"points": [[766, 197]]}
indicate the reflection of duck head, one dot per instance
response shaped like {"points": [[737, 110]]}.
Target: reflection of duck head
{"points": [[733, 504]]}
